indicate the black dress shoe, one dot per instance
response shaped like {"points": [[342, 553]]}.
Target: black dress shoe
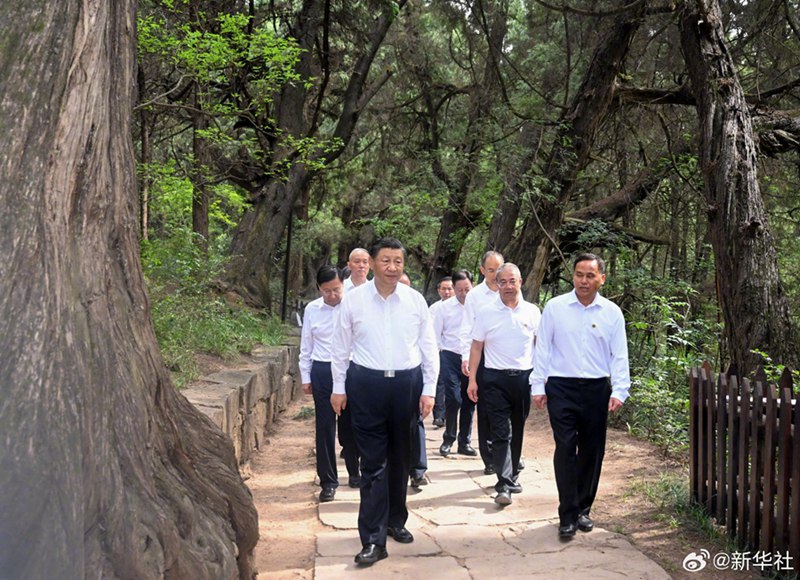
{"points": [[327, 494], [521, 464], [516, 488], [438, 423], [417, 482], [446, 449], [370, 554], [488, 470], [467, 450], [567, 531], [585, 523], [401, 535], [354, 481], [503, 498]]}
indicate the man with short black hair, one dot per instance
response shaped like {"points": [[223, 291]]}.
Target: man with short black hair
{"points": [[391, 380], [504, 333], [447, 322], [581, 373], [316, 378]]}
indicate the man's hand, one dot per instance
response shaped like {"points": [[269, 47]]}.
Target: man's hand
{"points": [[426, 405], [465, 368], [472, 391], [539, 401], [614, 405], [339, 403], [307, 388]]}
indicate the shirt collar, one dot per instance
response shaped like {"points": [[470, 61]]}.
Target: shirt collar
{"points": [[373, 290], [596, 302]]}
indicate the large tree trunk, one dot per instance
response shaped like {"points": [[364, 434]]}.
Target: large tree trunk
{"points": [[105, 471], [571, 148], [754, 305]]}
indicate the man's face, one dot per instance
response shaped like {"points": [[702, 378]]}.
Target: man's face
{"points": [[359, 266], [332, 291], [462, 288], [489, 269], [388, 266], [509, 283], [445, 289], [587, 280]]}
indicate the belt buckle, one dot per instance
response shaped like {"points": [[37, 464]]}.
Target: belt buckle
{"points": [[388, 374]]}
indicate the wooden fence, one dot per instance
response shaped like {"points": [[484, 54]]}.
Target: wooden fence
{"points": [[745, 458]]}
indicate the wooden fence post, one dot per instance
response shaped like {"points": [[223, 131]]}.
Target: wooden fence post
{"points": [[744, 456], [770, 440], [733, 454], [694, 381], [722, 445], [756, 466], [784, 469]]}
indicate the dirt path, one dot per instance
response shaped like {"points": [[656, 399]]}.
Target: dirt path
{"points": [[290, 522]]}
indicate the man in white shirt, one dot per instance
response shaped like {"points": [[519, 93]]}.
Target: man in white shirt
{"points": [[358, 263], [484, 293], [504, 333], [581, 373], [390, 381], [445, 290], [315, 374], [447, 322]]}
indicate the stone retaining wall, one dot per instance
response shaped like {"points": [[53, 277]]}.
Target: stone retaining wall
{"points": [[245, 401]]}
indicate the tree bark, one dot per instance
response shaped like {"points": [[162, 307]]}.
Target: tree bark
{"points": [[570, 151], [754, 305], [106, 471]]}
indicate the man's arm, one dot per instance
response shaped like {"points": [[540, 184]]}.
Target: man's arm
{"points": [[620, 369], [341, 347], [475, 352], [541, 358], [429, 355], [306, 348], [464, 334]]}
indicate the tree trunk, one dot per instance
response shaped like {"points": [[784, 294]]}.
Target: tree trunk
{"points": [[754, 305], [571, 147], [106, 471]]}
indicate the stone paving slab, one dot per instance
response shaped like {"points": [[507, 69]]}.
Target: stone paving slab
{"points": [[393, 568]]}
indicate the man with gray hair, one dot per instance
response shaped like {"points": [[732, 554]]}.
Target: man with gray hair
{"points": [[358, 264], [504, 332]]}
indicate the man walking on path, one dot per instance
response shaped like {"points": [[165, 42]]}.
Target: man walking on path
{"points": [[581, 373], [390, 381], [484, 293], [445, 291], [504, 332], [459, 409], [315, 374], [358, 263]]}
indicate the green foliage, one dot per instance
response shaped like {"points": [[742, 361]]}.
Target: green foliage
{"points": [[774, 370]]}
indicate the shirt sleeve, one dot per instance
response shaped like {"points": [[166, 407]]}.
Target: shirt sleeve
{"points": [[306, 347], [429, 353], [541, 352], [438, 325], [620, 371], [341, 345], [466, 328], [478, 331]]}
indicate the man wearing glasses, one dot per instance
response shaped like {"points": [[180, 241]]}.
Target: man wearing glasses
{"points": [[504, 332]]}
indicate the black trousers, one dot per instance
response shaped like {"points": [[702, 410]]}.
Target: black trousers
{"points": [[507, 396], [419, 454], [384, 412], [459, 408], [578, 410], [439, 402], [484, 428], [326, 423]]}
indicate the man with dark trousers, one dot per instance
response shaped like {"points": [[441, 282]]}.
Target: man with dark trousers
{"points": [[581, 373], [445, 290], [504, 333], [484, 293], [391, 380], [315, 374], [459, 409]]}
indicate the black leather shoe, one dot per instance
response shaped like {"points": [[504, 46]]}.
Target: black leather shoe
{"points": [[567, 531], [438, 423], [516, 488], [354, 481], [488, 470], [401, 535], [446, 449], [503, 498], [327, 494], [467, 450], [521, 464], [370, 554], [585, 523]]}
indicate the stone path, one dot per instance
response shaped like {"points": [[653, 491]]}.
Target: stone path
{"points": [[461, 533]]}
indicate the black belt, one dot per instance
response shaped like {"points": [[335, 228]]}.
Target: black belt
{"points": [[579, 381], [509, 372], [385, 374]]}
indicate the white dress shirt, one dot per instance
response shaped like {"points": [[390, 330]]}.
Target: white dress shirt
{"points": [[348, 284], [477, 298], [394, 333], [315, 338], [448, 319], [507, 334], [584, 342]]}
